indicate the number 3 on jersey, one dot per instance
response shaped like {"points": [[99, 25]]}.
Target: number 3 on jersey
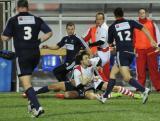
{"points": [[127, 35], [28, 34]]}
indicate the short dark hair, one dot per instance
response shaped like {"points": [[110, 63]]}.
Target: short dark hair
{"points": [[118, 12], [79, 57], [22, 3], [70, 24], [101, 13]]}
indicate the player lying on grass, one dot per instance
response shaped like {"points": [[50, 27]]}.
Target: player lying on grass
{"points": [[84, 81]]}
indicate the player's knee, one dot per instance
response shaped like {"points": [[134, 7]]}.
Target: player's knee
{"points": [[126, 78], [112, 76], [54, 87]]}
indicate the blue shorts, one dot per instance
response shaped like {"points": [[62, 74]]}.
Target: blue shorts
{"points": [[26, 64], [124, 58]]}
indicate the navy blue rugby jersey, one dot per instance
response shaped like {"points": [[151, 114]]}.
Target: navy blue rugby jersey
{"points": [[73, 45], [24, 28], [122, 32]]}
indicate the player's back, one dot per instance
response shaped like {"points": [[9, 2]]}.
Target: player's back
{"points": [[122, 31], [26, 28]]}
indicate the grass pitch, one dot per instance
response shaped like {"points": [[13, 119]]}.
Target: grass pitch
{"points": [[14, 108]]}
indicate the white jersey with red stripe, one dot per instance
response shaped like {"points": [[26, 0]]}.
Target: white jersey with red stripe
{"points": [[102, 34], [80, 73]]}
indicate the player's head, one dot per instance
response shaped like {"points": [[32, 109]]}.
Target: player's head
{"points": [[70, 28], [142, 13], [118, 13], [22, 5], [83, 58], [100, 18]]}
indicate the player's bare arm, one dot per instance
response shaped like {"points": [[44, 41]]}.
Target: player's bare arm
{"points": [[153, 43], [45, 37], [53, 47]]}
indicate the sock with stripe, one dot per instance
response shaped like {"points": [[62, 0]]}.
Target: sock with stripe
{"points": [[125, 91]]}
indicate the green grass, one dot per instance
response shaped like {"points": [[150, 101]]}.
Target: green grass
{"points": [[13, 108]]}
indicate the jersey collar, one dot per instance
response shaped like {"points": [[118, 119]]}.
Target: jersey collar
{"points": [[120, 18]]}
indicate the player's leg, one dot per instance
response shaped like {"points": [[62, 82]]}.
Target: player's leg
{"points": [[119, 90], [124, 70], [30, 92], [90, 95], [58, 86], [101, 85], [70, 90], [123, 91], [60, 73], [128, 78], [71, 95], [125, 60], [112, 80], [25, 66], [111, 83], [34, 104]]}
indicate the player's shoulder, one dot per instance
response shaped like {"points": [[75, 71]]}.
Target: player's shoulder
{"points": [[77, 68], [131, 21], [76, 37], [112, 26], [65, 37], [37, 18], [13, 18], [104, 26]]}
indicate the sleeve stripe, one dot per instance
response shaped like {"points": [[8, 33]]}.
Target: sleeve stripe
{"points": [[83, 42]]}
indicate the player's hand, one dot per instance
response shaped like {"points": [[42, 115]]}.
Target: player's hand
{"points": [[157, 49], [96, 78], [154, 44], [86, 80], [45, 47]]}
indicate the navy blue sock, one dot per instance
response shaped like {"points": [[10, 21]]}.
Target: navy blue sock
{"points": [[42, 90], [136, 84], [110, 86], [31, 94]]}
